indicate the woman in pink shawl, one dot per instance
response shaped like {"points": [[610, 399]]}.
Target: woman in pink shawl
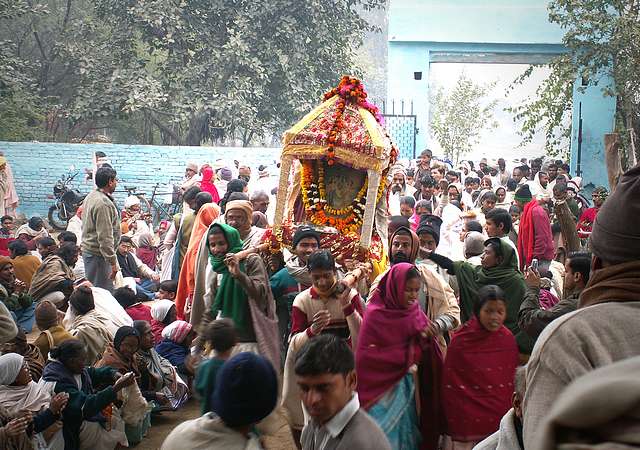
{"points": [[206, 185], [393, 341]]}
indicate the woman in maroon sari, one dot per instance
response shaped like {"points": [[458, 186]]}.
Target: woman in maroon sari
{"points": [[392, 342], [479, 371]]}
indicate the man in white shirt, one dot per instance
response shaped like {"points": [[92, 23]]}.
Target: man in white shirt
{"points": [[325, 372]]}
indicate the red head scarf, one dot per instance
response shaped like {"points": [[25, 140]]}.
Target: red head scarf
{"points": [[388, 337]]}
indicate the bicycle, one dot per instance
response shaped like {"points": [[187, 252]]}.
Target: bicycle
{"points": [[154, 211]]}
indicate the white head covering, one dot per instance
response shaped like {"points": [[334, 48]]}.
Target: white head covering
{"points": [[10, 365], [160, 309], [131, 201]]}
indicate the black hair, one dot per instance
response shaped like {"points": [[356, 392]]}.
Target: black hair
{"points": [[202, 198], [235, 185], [169, 286], [408, 200], [324, 354], [412, 273], [191, 193], [560, 188], [566, 167], [100, 154], [552, 164], [468, 181], [237, 196], [494, 243], [424, 204], [411, 173], [426, 152], [68, 251], [126, 240], [81, 299], [514, 209], [18, 247], [140, 326], [35, 222], [221, 335], [3, 218], [46, 241], [321, 259], [580, 262], [486, 294], [454, 173], [490, 195], [67, 236], [66, 350], [104, 175], [428, 181], [125, 296], [499, 217], [474, 225]]}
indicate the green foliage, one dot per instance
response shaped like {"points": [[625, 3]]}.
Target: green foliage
{"points": [[459, 117], [603, 38], [186, 71]]}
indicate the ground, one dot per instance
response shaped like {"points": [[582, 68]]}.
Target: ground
{"points": [[163, 424]]}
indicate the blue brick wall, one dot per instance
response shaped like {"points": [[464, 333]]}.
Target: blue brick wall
{"points": [[37, 166]]}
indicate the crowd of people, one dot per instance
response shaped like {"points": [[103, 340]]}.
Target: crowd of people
{"points": [[506, 314]]}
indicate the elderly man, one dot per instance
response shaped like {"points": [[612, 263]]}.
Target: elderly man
{"points": [[239, 214], [145, 279], [436, 296], [604, 329], [399, 189], [190, 177]]}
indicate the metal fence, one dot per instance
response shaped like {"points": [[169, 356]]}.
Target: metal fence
{"points": [[401, 123]]}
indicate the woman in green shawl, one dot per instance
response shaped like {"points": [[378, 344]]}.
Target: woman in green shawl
{"points": [[239, 290], [499, 266]]}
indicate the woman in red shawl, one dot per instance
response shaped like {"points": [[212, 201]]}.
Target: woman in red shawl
{"points": [[393, 340], [206, 185], [479, 371]]}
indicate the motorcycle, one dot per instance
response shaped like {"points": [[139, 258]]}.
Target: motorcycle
{"points": [[67, 201]]}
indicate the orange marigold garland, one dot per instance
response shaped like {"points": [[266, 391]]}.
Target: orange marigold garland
{"points": [[345, 220], [351, 91]]}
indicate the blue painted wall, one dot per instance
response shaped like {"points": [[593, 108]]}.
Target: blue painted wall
{"points": [[37, 166], [492, 30]]}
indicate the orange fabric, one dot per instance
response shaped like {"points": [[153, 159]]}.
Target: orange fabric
{"points": [[186, 282]]}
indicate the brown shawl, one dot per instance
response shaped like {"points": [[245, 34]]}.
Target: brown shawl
{"points": [[22, 442], [617, 283], [116, 360], [52, 271]]}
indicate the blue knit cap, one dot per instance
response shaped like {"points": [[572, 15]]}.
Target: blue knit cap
{"points": [[246, 390]]}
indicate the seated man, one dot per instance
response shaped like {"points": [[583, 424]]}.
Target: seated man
{"points": [[246, 392], [325, 373], [24, 263], [69, 237], [31, 232], [132, 267], [13, 294], [46, 246], [55, 275], [6, 234], [132, 305]]}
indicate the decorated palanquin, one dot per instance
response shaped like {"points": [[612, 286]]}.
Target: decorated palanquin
{"points": [[334, 168]]}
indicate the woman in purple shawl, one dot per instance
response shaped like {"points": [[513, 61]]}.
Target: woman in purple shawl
{"points": [[393, 341]]}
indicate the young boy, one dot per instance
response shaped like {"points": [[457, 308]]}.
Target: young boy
{"points": [[167, 291], [498, 225], [220, 336]]}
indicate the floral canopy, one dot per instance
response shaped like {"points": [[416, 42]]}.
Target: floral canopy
{"points": [[345, 128]]}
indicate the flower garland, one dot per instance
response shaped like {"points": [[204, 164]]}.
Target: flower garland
{"points": [[351, 91], [345, 220]]}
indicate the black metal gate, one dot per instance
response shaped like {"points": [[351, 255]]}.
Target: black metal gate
{"points": [[401, 127]]}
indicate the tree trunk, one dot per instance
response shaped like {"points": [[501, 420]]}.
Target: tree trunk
{"points": [[198, 125], [612, 158], [567, 227]]}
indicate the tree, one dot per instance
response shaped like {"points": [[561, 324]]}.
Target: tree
{"points": [[603, 38], [188, 72], [459, 117]]}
